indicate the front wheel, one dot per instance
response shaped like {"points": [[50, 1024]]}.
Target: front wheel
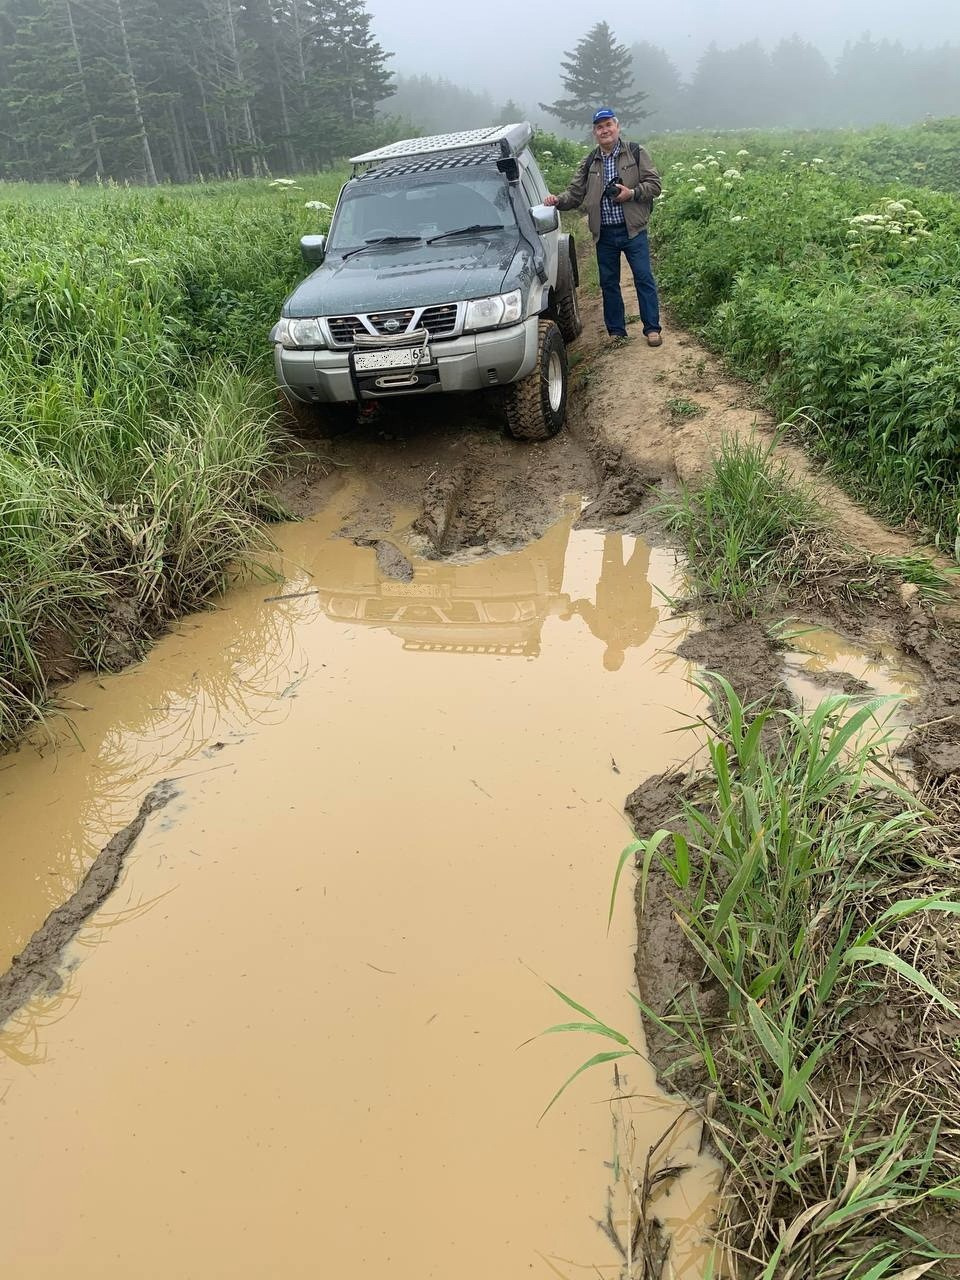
{"points": [[568, 315], [318, 420], [537, 404]]}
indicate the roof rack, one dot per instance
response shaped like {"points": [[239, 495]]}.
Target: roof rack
{"points": [[503, 140]]}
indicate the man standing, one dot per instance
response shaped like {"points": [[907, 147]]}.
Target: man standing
{"points": [[617, 185]]}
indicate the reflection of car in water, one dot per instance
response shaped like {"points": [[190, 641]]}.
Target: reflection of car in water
{"points": [[496, 605]]}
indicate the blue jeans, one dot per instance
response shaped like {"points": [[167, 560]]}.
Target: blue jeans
{"points": [[614, 241]]}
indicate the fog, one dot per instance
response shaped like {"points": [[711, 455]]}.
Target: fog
{"points": [[514, 50]]}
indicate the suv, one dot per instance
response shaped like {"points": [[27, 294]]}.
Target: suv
{"points": [[442, 271]]}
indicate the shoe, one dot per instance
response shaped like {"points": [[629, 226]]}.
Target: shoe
{"points": [[654, 339], [618, 339]]}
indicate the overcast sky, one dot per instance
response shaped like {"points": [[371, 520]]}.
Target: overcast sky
{"points": [[513, 48]]}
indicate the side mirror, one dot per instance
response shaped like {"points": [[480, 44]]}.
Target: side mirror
{"points": [[313, 249], [545, 218]]}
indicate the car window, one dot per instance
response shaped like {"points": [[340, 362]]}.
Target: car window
{"points": [[532, 171], [529, 189], [425, 206]]}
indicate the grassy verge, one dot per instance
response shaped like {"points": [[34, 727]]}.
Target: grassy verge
{"points": [[839, 297], [136, 411], [826, 270], [756, 541], [818, 896]]}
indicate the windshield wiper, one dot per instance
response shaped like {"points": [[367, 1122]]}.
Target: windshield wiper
{"points": [[370, 244], [465, 231]]}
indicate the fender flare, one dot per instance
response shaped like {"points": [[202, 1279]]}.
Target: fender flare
{"points": [[568, 274], [568, 269]]}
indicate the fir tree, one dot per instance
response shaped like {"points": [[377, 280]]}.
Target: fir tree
{"points": [[598, 73]]}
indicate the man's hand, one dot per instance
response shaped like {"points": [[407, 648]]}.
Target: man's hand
{"points": [[625, 194], [550, 200]]}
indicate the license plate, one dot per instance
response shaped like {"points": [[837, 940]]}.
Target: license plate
{"points": [[398, 358], [410, 590]]}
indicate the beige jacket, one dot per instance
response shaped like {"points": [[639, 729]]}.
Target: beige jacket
{"points": [[586, 187]]}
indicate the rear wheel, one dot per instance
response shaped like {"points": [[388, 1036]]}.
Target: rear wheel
{"points": [[537, 405], [568, 315]]}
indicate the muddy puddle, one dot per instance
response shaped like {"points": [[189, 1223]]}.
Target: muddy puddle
{"points": [[287, 1045], [823, 663]]}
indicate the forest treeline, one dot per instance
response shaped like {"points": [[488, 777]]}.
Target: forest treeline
{"points": [[792, 85], [169, 90]]}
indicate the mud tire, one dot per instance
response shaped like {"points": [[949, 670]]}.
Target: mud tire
{"points": [[314, 420], [569, 321], [530, 413]]}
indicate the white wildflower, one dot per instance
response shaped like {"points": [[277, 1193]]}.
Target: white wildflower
{"points": [[282, 182], [699, 191], [816, 160], [743, 152], [316, 204], [736, 217], [733, 174], [698, 168]]}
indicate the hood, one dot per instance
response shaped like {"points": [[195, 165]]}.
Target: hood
{"points": [[394, 276]]}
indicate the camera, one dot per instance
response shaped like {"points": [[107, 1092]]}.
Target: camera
{"points": [[612, 190]]}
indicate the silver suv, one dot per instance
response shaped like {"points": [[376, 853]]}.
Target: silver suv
{"points": [[442, 271]]}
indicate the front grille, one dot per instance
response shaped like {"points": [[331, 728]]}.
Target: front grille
{"points": [[390, 322], [440, 321], [344, 329]]}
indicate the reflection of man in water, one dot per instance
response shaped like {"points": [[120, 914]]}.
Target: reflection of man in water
{"points": [[623, 615]]}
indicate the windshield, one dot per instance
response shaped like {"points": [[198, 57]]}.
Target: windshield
{"points": [[420, 205]]}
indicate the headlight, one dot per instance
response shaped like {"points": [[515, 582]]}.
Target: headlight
{"points": [[299, 334], [489, 313]]}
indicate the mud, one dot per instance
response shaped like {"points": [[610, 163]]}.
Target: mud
{"points": [[406, 815], [38, 965], [297, 1017]]}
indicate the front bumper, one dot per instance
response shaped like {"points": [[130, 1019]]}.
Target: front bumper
{"points": [[471, 362]]}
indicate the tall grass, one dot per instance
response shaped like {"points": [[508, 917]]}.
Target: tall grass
{"points": [[136, 416], [756, 540], [840, 298], [826, 270], [818, 897]]}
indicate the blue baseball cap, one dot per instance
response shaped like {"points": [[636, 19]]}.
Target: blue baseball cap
{"points": [[604, 114]]}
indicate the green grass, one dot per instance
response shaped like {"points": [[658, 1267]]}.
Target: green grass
{"points": [[756, 541], [839, 298], [679, 407], [825, 267], [137, 416], [818, 896]]}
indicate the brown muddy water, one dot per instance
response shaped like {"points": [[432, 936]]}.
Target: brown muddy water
{"points": [[289, 1043]]}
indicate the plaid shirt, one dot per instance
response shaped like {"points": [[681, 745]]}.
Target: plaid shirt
{"points": [[611, 213]]}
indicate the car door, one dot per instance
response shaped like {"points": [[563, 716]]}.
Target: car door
{"points": [[534, 190]]}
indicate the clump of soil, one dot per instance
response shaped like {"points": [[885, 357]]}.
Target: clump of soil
{"points": [[37, 966]]}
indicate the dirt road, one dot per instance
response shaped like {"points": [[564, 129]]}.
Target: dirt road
{"points": [[286, 1043]]}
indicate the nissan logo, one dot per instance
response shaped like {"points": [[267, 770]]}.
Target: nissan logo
{"points": [[392, 326]]}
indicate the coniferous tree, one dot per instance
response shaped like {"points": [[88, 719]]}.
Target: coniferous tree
{"points": [[655, 72], [597, 73]]}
